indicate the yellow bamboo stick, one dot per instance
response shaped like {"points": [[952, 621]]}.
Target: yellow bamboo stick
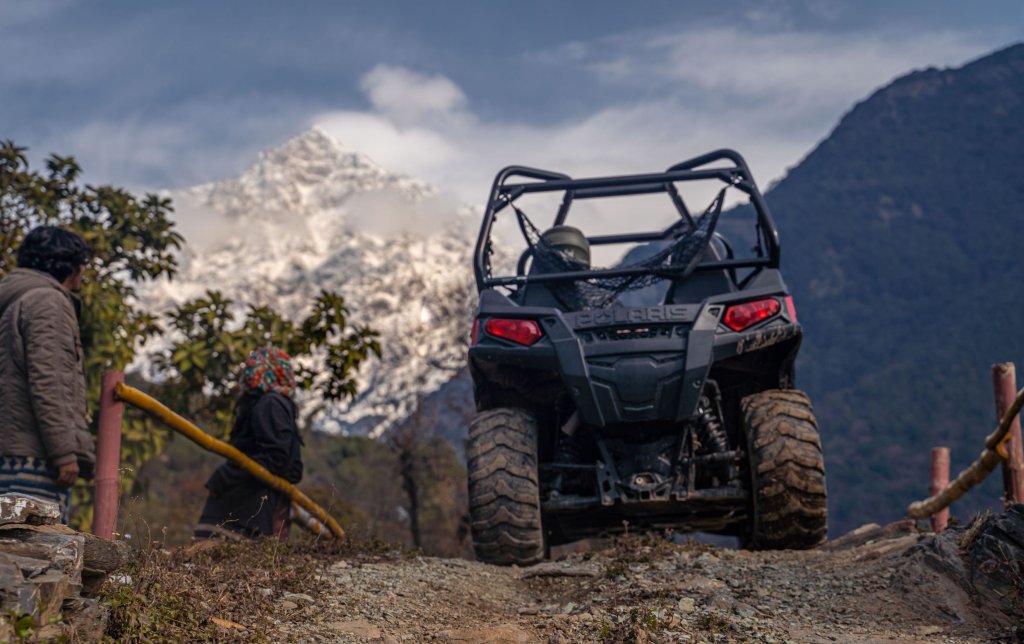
{"points": [[157, 410], [992, 455]]}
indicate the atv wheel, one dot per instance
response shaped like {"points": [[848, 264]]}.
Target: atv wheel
{"points": [[504, 495], [787, 472]]}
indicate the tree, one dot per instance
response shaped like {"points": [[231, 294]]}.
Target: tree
{"points": [[200, 369]]}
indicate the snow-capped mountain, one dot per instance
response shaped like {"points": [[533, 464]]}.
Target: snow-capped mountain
{"points": [[314, 214]]}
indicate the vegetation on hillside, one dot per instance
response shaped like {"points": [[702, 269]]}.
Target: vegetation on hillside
{"points": [[897, 240]]}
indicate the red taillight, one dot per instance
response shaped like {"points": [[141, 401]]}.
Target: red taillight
{"points": [[475, 333], [742, 316], [790, 309], [520, 331]]}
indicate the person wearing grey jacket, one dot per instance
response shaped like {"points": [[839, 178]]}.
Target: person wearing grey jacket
{"points": [[44, 441]]}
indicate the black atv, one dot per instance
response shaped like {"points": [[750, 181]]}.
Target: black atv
{"points": [[657, 393]]}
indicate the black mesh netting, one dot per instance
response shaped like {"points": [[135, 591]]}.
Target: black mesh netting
{"points": [[674, 261]]}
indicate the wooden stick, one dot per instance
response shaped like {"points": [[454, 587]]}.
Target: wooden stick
{"points": [[940, 479], [977, 471], [157, 410]]}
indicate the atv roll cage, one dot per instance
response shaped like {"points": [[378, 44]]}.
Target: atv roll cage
{"points": [[736, 174]]}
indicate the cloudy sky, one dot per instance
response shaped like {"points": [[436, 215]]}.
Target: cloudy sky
{"points": [[163, 95]]}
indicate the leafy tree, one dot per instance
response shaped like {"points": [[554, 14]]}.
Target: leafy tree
{"points": [[200, 368]]}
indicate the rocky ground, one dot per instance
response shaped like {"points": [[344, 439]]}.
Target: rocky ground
{"points": [[888, 584]]}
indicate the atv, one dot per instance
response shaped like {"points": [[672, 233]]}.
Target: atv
{"points": [[656, 393]]}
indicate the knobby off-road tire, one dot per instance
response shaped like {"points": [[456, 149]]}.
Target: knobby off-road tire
{"points": [[787, 472], [504, 493]]}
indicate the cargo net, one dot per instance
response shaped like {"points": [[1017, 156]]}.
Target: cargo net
{"points": [[675, 261]]}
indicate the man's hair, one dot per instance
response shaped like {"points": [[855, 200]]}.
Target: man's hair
{"points": [[53, 250]]}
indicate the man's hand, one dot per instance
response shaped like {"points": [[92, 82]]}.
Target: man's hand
{"points": [[67, 474]]}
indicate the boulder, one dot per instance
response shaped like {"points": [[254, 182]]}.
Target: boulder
{"points": [[18, 508]]}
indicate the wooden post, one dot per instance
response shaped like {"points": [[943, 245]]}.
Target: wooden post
{"points": [[108, 457], [940, 479], [1004, 383]]}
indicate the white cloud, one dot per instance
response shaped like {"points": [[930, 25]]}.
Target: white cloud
{"points": [[770, 95], [408, 97]]}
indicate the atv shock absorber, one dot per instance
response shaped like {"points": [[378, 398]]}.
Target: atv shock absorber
{"points": [[710, 433]]}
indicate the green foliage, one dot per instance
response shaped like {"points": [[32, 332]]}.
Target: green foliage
{"points": [[201, 367]]}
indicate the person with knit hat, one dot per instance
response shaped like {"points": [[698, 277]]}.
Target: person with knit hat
{"points": [[265, 429]]}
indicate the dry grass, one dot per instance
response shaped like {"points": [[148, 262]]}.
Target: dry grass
{"points": [[219, 591]]}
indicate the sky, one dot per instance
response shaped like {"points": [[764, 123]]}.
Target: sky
{"points": [[154, 95]]}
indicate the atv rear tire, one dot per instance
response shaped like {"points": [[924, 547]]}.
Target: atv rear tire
{"points": [[787, 472], [504, 494]]}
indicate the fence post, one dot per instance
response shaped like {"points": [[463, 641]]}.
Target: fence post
{"points": [[940, 479], [108, 457], [1004, 383]]}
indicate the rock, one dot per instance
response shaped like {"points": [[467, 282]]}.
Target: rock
{"points": [[64, 551], [300, 598], [286, 605], [559, 569], [928, 630], [501, 634], [28, 566], [87, 618], [686, 605], [99, 556], [357, 628], [41, 597], [16, 508]]}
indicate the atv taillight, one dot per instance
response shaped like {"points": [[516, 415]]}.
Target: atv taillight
{"points": [[791, 309], [525, 332], [742, 316]]}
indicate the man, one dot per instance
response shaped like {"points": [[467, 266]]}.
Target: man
{"points": [[44, 442]]}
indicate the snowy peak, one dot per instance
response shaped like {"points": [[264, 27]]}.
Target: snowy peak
{"points": [[314, 215], [309, 173]]}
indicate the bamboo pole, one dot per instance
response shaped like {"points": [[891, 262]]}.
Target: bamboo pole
{"points": [[992, 455], [157, 410]]}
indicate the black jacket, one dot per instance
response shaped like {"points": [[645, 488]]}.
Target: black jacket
{"points": [[265, 430]]}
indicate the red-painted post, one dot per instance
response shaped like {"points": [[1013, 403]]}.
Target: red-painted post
{"points": [[940, 479], [1004, 383], [108, 457]]}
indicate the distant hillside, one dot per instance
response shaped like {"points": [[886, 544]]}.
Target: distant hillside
{"points": [[903, 240]]}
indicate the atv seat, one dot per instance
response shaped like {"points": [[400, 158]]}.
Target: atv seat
{"points": [[697, 287]]}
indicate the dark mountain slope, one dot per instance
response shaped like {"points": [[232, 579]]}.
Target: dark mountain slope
{"points": [[903, 240]]}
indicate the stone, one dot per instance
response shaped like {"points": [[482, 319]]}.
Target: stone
{"points": [[41, 597], [29, 566], [300, 598], [87, 619], [357, 628], [559, 569], [63, 551], [686, 605], [284, 604], [18, 508], [500, 634]]}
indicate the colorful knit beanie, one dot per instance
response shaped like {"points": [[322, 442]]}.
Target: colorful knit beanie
{"points": [[268, 369]]}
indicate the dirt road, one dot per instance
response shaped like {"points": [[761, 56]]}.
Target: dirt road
{"points": [[875, 585]]}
